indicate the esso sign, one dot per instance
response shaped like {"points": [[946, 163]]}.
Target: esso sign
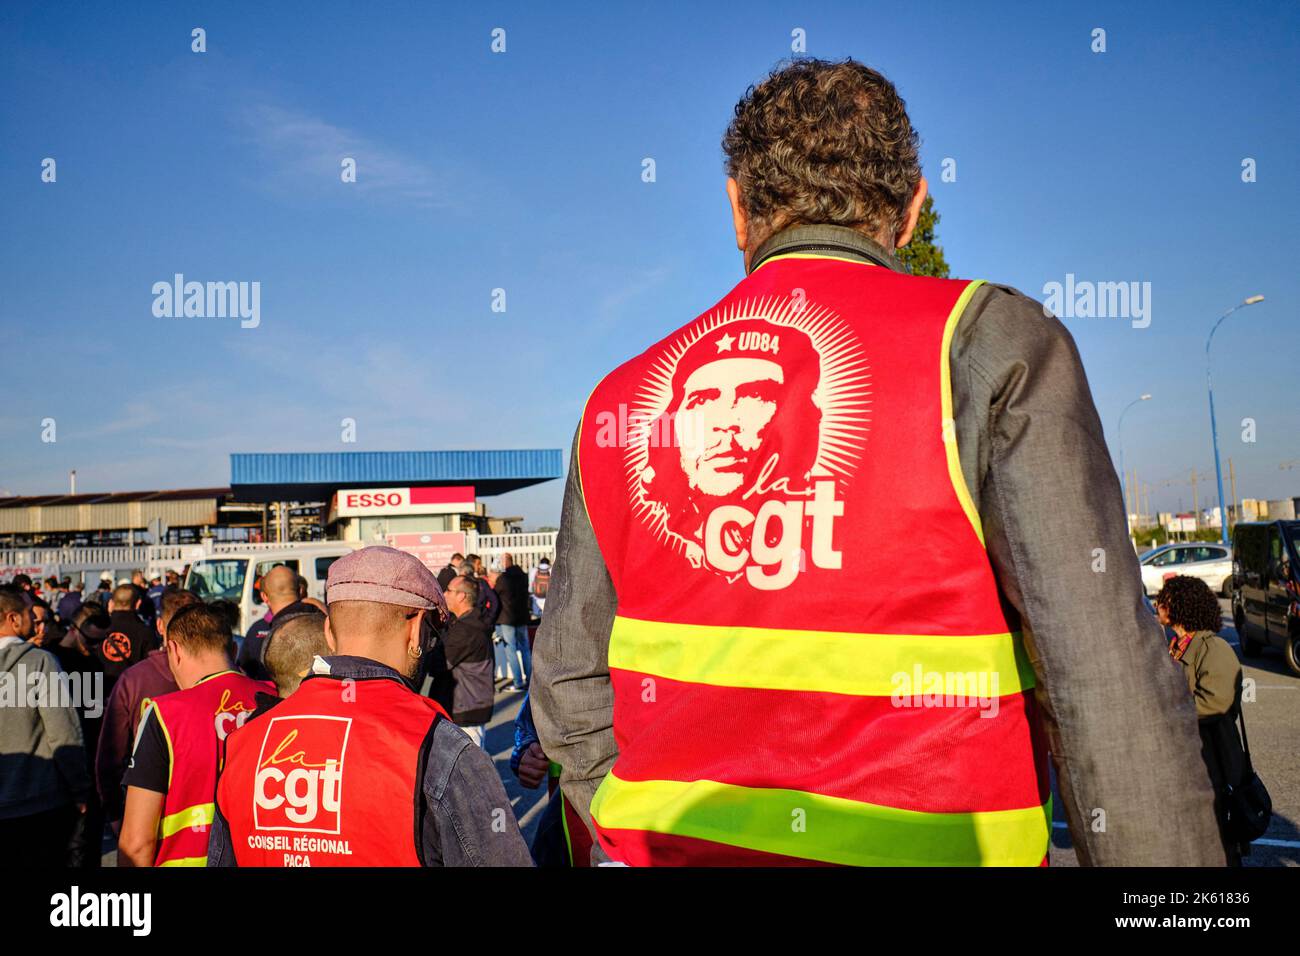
{"points": [[418, 500], [368, 499]]}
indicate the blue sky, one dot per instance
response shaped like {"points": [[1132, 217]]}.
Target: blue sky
{"points": [[522, 171]]}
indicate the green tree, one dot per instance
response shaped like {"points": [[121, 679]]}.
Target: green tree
{"points": [[923, 256]]}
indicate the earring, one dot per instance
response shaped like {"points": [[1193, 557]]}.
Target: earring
{"points": [[415, 652]]}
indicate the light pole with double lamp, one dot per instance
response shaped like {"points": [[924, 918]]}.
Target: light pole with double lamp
{"points": [[1123, 475], [1214, 430]]}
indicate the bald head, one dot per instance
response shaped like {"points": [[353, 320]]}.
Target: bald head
{"points": [[507, 560], [290, 648], [280, 587], [124, 597]]}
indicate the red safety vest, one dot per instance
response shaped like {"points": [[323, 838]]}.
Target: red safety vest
{"points": [[330, 777], [194, 721], [811, 660]]}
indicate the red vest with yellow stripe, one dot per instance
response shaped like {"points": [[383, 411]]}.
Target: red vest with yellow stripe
{"points": [[811, 660], [332, 776], [577, 839], [194, 721]]}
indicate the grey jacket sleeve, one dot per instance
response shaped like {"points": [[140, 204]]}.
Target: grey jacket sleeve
{"points": [[470, 821], [1120, 723], [572, 698], [62, 729]]}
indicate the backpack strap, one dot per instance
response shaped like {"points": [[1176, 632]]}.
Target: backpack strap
{"points": [[1248, 769]]}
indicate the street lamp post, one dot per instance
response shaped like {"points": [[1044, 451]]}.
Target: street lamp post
{"points": [[1122, 473], [1214, 430]]}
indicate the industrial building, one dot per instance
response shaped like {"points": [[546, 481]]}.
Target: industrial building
{"points": [[292, 496]]}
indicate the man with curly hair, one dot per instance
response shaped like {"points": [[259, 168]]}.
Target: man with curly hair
{"points": [[896, 489]]}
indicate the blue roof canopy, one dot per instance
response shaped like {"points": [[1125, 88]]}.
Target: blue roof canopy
{"points": [[314, 476]]}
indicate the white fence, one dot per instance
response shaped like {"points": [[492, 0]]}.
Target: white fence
{"points": [[89, 563], [526, 549]]}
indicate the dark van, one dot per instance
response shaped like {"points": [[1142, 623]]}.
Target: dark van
{"points": [[1266, 587]]}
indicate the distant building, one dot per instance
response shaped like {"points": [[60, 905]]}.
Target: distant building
{"points": [[298, 496], [1282, 509]]}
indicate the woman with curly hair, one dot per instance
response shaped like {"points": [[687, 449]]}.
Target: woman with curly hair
{"points": [[1189, 607]]}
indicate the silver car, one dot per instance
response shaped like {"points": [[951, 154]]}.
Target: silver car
{"points": [[1208, 560]]}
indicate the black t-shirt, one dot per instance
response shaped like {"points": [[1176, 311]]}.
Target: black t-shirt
{"points": [[86, 666], [149, 766], [129, 640], [147, 611], [249, 659]]}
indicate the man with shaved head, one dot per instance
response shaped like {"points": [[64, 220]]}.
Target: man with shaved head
{"points": [[392, 780], [292, 646], [151, 677], [129, 639], [280, 590], [295, 640]]}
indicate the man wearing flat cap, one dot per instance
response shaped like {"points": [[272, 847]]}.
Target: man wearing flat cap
{"points": [[355, 768]]}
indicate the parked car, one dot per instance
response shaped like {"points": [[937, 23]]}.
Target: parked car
{"points": [[1207, 560], [1266, 588], [235, 575]]}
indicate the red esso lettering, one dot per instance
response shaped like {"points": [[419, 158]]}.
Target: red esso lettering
{"points": [[392, 498]]}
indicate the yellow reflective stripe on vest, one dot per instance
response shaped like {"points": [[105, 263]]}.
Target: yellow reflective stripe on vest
{"points": [[199, 815], [186, 861], [167, 736], [949, 424], [814, 255], [829, 829], [866, 665]]}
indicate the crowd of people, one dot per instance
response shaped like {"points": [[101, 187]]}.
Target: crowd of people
{"points": [[145, 762], [165, 679]]}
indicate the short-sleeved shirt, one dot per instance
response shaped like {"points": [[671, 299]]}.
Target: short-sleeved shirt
{"points": [[149, 766]]}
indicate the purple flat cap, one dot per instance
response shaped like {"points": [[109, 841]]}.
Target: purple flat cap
{"points": [[384, 576]]}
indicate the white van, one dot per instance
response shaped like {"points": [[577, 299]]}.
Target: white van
{"points": [[233, 573]]}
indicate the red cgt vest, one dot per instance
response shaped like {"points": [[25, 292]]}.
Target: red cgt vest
{"points": [[811, 660], [194, 722], [330, 777]]}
